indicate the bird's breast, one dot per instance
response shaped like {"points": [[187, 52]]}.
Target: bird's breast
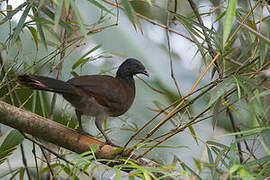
{"points": [[127, 98]]}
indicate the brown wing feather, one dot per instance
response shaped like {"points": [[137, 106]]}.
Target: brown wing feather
{"points": [[107, 91]]}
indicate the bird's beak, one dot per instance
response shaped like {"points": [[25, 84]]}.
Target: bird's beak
{"points": [[144, 72]]}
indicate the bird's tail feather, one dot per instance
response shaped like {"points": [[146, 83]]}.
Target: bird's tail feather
{"points": [[45, 83]]}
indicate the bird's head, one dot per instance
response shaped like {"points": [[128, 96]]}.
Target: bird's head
{"points": [[131, 67]]}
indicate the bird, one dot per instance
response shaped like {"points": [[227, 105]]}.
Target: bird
{"points": [[99, 96]]}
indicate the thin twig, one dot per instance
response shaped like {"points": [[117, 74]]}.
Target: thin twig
{"points": [[25, 162], [47, 161], [235, 129], [171, 59], [176, 131], [176, 109], [35, 157], [164, 110], [152, 21], [207, 39], [52, 152]]}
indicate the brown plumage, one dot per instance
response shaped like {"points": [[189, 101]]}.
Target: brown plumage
{"points": [[94, 95]]}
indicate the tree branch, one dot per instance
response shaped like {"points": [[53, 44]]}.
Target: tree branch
{"points": [[51, 131], [63, 136]]}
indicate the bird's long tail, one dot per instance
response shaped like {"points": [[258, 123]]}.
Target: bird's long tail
{"points": [[45, 84]]}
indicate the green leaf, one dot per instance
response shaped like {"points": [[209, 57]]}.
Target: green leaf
{"points": [[39, 27], [220, 16], [129, 12], [251, 131], [5, 173], [67, 6], [13, 12], [22, 171], [216, 112], [210, 156], [117, 173], [186, 167], [193, 24], [197, 164], [264, 93], [230, 106], [83, 59], [219, 157], [10, 144], [34, 35], [193, 133], [217, 144], [233, 154], [20, 25], [74, 74], [19, 44], [78, 17], [235, 168], [238, 87], [58, 12], [149, 2], [262, 51], [51, 15], [258, 161], [97, 4], [220, 90], [228, 22]]}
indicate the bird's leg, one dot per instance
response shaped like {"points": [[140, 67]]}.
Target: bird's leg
{"points": [[99, 121], [79, 115], [80, 128]]}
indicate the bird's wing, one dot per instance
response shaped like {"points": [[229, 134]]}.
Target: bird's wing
{"points": [[107, 90]]}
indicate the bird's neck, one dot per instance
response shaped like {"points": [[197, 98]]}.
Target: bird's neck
{"points": [[127, 79]]}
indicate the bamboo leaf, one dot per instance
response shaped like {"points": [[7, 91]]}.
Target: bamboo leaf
{"points": [[67, 6], [20, 25], [12, 13], [216, 113], [19, 44], [258, 161], [238, 87], [97, 4], [220, 16], [39, 27], [8, 172], [74, 74], [129, 12], [78, 17], [220, 90], [58, 12], [193, 133], [264, 93], [186, 167], [10, 144], [83, 59], [213, 143], [251, 131], [228, 22], [262, 52], [34, 35], [117, 173], [192, 23]]}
